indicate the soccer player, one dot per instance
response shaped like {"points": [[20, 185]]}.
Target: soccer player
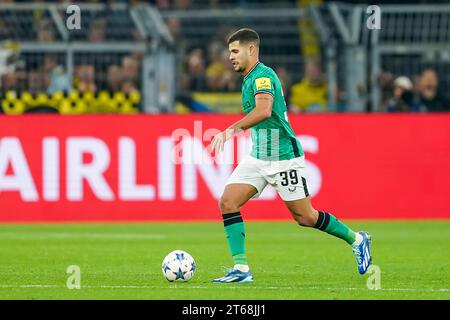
{"points": [[276, 158]]}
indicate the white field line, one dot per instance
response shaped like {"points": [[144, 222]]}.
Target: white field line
{"points": [[39, 286], [77, 235]]}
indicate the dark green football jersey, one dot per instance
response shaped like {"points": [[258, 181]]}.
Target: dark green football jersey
{"points": [[273, 138]]}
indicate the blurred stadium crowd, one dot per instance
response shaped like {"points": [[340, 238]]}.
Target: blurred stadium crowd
{"points": [[111, 83]]}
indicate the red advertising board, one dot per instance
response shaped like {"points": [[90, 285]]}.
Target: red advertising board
{"points": [[124, 168]]}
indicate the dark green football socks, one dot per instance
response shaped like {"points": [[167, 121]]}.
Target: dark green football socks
{"points": [[328, 223], [235, 231]]}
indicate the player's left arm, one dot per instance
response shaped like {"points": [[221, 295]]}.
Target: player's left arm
{"points": [[262, 111]]}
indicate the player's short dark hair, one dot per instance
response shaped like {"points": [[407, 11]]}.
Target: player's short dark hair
{"points": [[244, 35]]}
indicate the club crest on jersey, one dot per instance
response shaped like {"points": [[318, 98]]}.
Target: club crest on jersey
{"points": [[263, 83]]}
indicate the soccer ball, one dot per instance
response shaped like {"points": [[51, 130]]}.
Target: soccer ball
{"points": [[178, 266]]}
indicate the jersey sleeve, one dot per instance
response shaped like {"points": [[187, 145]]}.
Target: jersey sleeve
{"points": [[264, 84]]}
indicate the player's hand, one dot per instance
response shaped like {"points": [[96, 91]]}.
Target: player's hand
{"points": [[218, 142]]}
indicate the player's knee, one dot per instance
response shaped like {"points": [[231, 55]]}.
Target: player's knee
{"points": [[228, 205]]}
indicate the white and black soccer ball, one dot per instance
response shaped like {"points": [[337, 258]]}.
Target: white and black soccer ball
{"points": [[178, 266]]}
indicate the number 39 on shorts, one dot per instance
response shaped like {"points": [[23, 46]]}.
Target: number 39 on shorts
{"points": [[289, 177]]}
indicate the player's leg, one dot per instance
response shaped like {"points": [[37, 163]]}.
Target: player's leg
{"points": [[292, 187], [245, 183], [305, 215], [234, 197]]}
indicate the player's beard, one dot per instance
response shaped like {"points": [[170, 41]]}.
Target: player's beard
{"points": [[240, 68]]}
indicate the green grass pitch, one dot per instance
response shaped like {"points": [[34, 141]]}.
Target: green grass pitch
{"points": [[123, 261]]}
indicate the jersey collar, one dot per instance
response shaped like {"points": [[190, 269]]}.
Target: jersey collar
{"points": [[256, 64]]}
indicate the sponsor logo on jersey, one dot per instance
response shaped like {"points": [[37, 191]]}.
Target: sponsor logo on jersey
{"points": [[263, 83]]}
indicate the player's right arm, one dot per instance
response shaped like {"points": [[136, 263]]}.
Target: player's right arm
{"points": [[262, 111]]}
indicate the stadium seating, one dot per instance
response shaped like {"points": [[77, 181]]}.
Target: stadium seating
{"points": [[72, 103], [108, 54]]}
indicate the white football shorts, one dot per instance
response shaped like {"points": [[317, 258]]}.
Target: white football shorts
{"points": [[286, 176]]}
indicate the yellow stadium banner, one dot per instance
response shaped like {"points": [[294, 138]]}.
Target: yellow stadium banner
{"points": [[220, 102]]}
